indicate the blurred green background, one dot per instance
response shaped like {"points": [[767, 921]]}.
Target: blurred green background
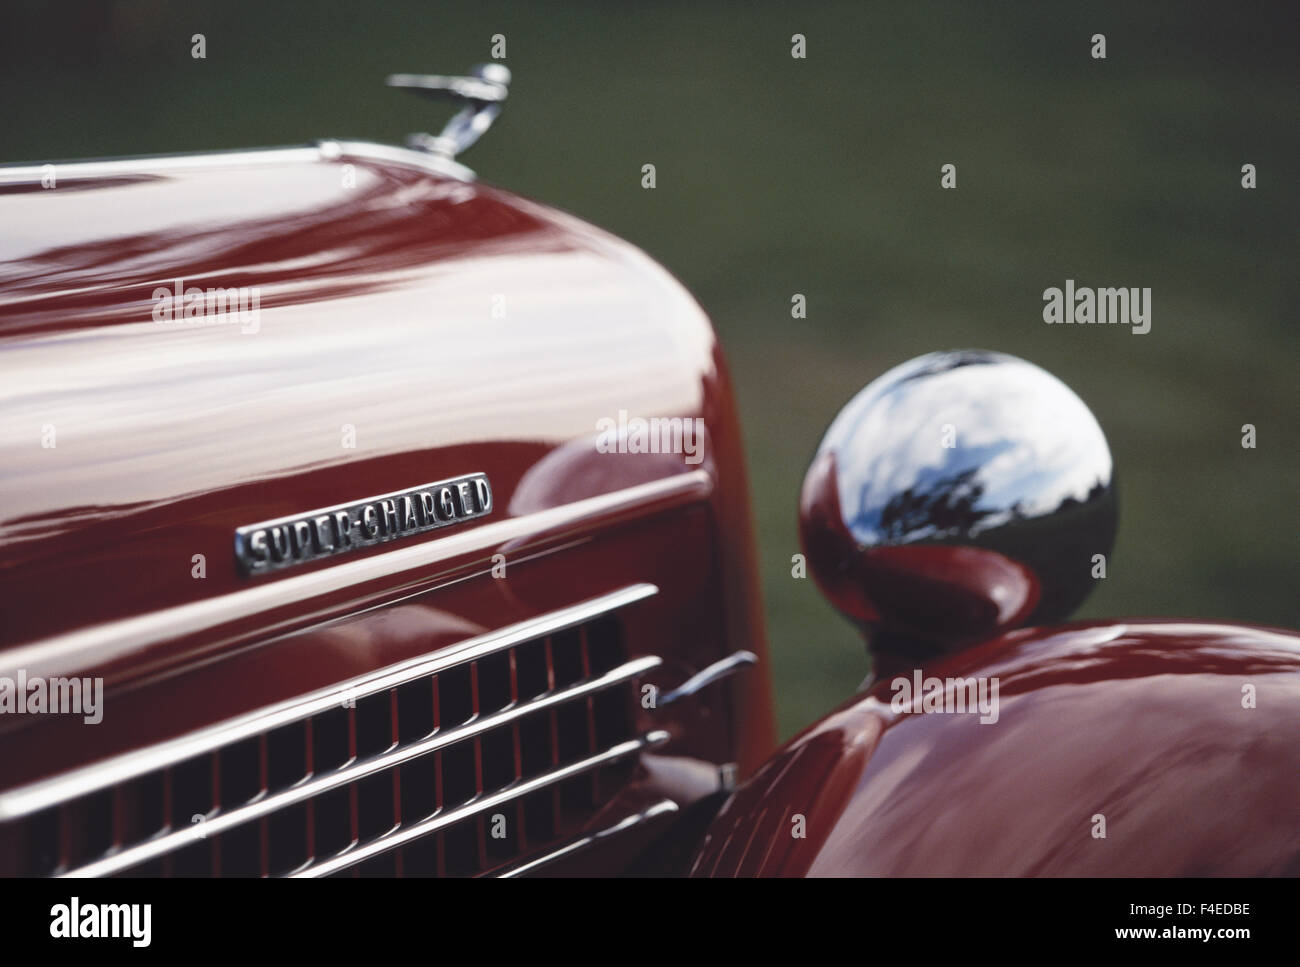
{"points": [[821, 176]]}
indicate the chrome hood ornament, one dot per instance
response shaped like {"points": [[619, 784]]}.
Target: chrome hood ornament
{"points": [[484, 91]]}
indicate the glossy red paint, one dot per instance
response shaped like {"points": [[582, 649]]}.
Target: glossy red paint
{"points": [[1142, 723], [928, 590], [376, 314]]}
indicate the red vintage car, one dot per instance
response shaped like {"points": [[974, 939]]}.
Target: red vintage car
{"points": [[359, 518]]}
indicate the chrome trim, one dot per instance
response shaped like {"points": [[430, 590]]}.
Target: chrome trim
{"points": [[178, 839], [728, 776], [707, 676], [460, 500], [484, 91], [405, 834], [113, 639], [326, 149], [579, 843], [487, 84], [399, 155], [48, 792]]}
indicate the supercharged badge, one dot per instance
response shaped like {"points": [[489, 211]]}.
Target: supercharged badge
{"points": [[345, 527]]}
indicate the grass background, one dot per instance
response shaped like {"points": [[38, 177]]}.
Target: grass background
{"points": [[821, 176]]}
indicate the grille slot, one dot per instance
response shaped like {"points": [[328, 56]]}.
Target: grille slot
{"points": [[459, 764]]}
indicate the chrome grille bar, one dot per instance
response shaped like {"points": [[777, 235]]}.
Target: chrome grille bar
{"points": [[442, 820], [662, 808], [32, 798], [170, 842]]}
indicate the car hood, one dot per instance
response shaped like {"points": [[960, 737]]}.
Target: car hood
{"points": [[400, 324]]}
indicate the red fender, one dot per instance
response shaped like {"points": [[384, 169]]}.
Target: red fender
{"points": [[1119, 749]]}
